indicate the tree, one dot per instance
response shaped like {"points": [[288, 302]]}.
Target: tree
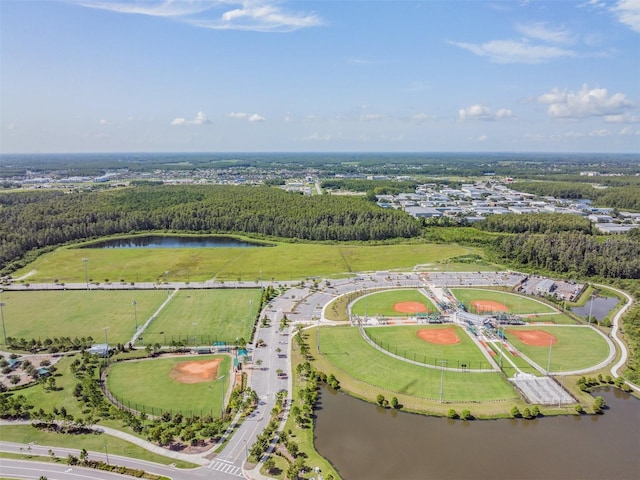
{"points": [[598, 405], [452, 413], [465, 415], [535, 411], [515, 412], [269, 464], [394, 402], [380, 399]]}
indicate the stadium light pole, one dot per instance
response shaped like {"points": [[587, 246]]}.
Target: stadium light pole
{"points": [[442, 364], [195, 335], [135, 314], [501, 338], [4, 331], [549, 360], [106, 340], [222, 404], [86, 272]]}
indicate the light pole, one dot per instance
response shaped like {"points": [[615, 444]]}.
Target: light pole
{"points": [[135, 314], [442, 365], [86, 272], [195, 333], [222, 404], [549, 360], [4, 332], [106, 340]]}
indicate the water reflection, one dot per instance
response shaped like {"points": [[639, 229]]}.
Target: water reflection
{"points": [[367, 442], [599, 307], [156, 241]]}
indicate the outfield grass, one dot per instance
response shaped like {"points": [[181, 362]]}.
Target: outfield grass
{"points": [[206, 316], [78, 313], [404, 341], [344, 348], [147, 383], [517, 304], [556, 318], [382, 303], [91, 442], [284, 261], [576, 347]]}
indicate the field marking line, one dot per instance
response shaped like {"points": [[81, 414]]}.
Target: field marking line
{"points": [[153, 317]]}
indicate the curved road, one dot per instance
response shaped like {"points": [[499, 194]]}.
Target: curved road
{"points": [[301, 305]]}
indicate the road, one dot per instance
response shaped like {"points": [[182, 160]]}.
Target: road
{"points": [[301, 303]]}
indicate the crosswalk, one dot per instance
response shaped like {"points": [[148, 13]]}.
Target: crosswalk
{"points": [[226, 467]]}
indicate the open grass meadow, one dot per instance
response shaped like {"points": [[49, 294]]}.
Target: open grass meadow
{"points": [[146, 385], [205, 316], [382, 303], [346, 350], [283, 261], [78, 313], [404, 341], [576, 347], [517, 304]]}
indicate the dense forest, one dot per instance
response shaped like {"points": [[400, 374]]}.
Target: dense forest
{"points": [[573, 253], [623, 194], [34, 220], [536, 223]]}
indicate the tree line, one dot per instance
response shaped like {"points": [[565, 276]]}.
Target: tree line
{"points": [[32, 221], [573, 253]]}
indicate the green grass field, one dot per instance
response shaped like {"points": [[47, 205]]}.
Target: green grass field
{"points": [[576, 347], [79, 313], [146, 384], [382, 303], [404, 341], [90, 442], [516, 304], [284, 261], [218, 315], [344, 348]]}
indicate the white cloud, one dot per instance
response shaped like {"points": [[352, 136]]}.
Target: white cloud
{"points": [[628, 13], [541, 31], [628, 130], [421, 117], [368, 117], [475, 112], [482, 138], [255, 15], [482, 112], [511, 51], [622, 118], [603, 132], [200, 119], [250, 117], [584, 103], [104, 122]]}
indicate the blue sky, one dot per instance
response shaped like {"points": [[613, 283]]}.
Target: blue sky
{"points": [[264, 75]]}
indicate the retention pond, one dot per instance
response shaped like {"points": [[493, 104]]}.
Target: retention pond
{"points": [[367, 442]]}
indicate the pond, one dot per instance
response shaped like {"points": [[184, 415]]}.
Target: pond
{"points": [[599, 307], [364, 441], [159, 241]]}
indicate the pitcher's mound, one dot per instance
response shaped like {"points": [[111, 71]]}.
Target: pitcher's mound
{"points": [[536, 338], [409, 307], [439, 336], [196, 372]]}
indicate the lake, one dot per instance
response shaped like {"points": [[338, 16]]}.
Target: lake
{"points": [[159, 241], [364, 441]]}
